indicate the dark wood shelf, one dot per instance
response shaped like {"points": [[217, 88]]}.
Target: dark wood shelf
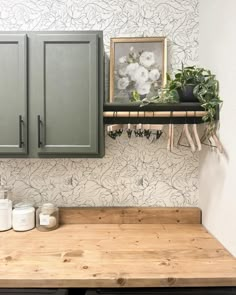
{"points": [[152, 107], [133, 113]]}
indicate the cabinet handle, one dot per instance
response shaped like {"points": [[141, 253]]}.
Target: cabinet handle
{"points": [[21, 142], [39, 132]]}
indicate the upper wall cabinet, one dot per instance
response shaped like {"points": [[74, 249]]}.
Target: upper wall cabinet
{"points": [[65, 87], [13, 94]]}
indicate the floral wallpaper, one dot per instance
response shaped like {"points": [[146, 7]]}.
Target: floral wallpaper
{"points": [[136, 172]]}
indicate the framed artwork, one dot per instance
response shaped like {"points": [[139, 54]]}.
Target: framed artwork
{"points": [[137, 68]]}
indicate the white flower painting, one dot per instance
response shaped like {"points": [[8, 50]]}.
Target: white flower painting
{"points": [[138, 68], [123, 83], [147, 59]]}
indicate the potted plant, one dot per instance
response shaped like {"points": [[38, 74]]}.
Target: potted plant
{"points": [[185, 81], [193, 84]]}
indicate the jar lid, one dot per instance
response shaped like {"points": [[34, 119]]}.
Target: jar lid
{"points": [[48, 205], [3, 192], [48, 208], [5, 204], [23, 205], [5, 201]]}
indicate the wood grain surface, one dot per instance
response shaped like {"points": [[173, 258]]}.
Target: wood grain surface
{"points": [[115, 255], [130, 215]]}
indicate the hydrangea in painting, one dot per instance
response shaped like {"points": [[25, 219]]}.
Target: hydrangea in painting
{"points": [[138, 74]]}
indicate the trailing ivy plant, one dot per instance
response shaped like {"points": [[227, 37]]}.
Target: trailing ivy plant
{"points": [[187, 76], [206, 90]]}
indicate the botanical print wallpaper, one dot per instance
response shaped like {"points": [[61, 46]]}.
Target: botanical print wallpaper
{"points": [[134, 172]]}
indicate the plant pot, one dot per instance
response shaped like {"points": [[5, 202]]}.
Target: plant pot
{"points": [[186, 94]]}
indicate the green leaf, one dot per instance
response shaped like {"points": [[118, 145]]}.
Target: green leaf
{"points": [[178, 75], [168, 77], [135, 96]]}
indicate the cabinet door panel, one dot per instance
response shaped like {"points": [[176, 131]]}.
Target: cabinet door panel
{"points": [[13, 94], [67, 66]]}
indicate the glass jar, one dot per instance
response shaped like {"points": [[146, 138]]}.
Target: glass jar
{"points": [[47, 217], [23, 217], [4, 192], [5, 214]]}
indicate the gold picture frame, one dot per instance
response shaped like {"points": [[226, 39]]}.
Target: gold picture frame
{"points": [[135, 63]]}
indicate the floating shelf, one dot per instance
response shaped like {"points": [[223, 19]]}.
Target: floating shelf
{"points": [[176, 113]]}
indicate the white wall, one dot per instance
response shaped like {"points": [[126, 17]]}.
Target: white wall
{"points": [[217, 172]]}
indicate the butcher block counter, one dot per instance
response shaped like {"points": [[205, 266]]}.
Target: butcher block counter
{"points": [[117, 247]]}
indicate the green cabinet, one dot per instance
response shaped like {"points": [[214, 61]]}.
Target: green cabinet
{"points": [[13, 94], [65, 94]]}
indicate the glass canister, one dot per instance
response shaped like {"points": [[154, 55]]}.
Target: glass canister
{"points": [[23, 217], [5, 208], [5, 214], [4, 191], [47, 217]]}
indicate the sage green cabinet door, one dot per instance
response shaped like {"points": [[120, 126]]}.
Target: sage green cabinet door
{"points": [[65, 83], [13, 94]]}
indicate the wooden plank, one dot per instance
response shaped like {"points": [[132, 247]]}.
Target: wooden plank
{"points": [[115, 255], [139, 114], [130, 215]]}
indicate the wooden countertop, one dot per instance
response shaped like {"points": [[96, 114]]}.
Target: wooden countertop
{"points": [[141, 254]]}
